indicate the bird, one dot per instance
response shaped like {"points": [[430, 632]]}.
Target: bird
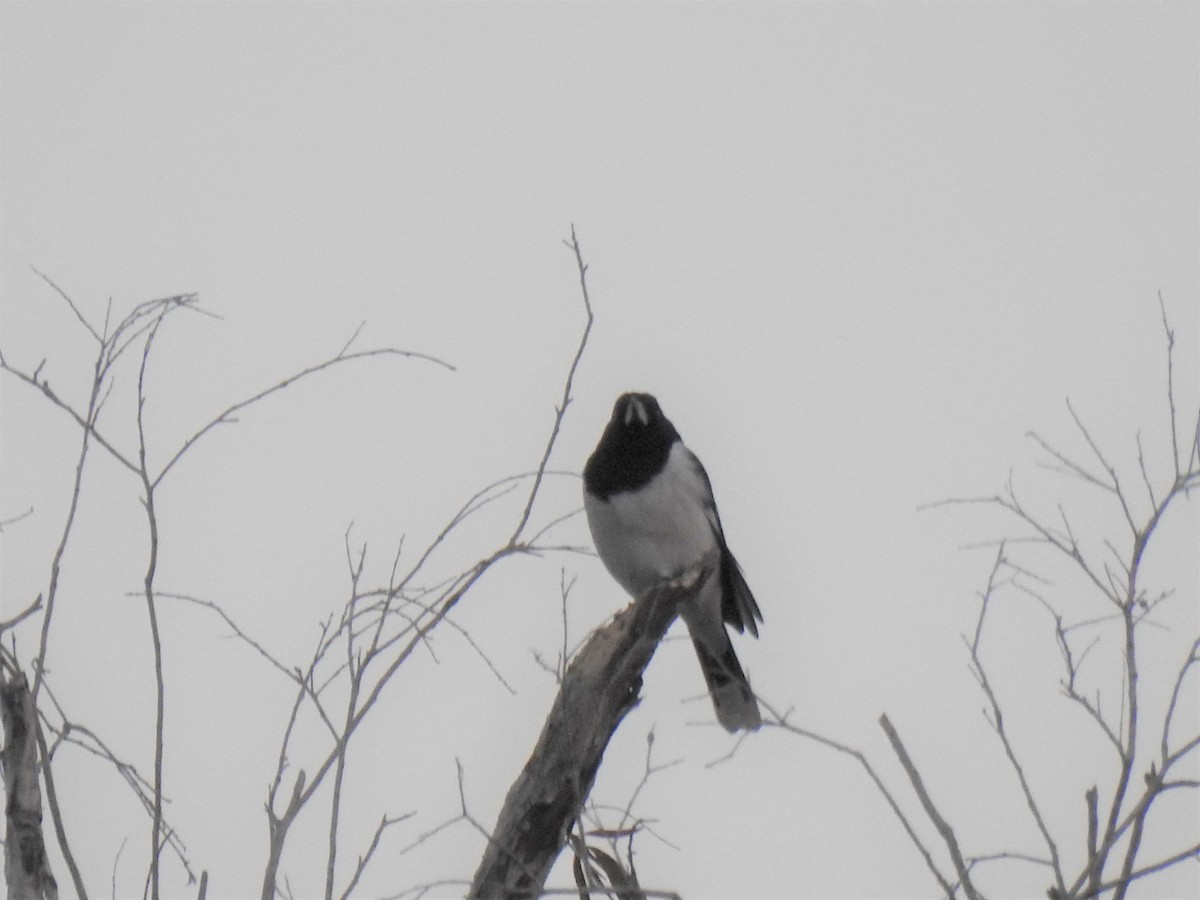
{"points": [[651, 512]]}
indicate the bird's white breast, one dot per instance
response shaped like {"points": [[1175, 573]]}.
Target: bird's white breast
{"points": [[657, 531]]}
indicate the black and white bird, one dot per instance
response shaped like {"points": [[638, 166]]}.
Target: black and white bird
{"points": [[652, 515]]}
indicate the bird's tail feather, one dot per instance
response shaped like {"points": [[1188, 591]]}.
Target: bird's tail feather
{"points": [[738, 606], [730, 689]]}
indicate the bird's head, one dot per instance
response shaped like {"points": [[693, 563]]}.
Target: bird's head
{"points": [[637, 411], [634, 447]]}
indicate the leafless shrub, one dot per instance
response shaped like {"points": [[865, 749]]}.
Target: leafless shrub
{"points": [[361, 648], [1152, 758]]}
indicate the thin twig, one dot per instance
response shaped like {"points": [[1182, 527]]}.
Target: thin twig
{"points": [[364, 860], [997, 722], [71, 303], [22, 615], [12, 520], [780, 720], [156, 640], [384, 654], [561, 411], [226, 416], [942, 826], [83, 421]]}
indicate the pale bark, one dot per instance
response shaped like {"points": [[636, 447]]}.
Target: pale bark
{"points": [[26, 869], [600, 686]]}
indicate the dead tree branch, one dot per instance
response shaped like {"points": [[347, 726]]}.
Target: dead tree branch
{"points": [[942, 826], [782, 720], [142, 325], [1116, 814], [600, 686], [382, 635], [561, 410], [156, 830], [996, 718], [26, 868]]}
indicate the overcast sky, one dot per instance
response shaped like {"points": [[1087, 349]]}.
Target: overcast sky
{"points": [[858, 251]]}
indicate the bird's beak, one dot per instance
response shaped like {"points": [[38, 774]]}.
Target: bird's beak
{"points": [[636, 408]]}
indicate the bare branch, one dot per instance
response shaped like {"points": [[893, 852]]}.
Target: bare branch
{"points": [[1126, 879], [1170, 335], [1112, 472], [353, 338], [1119, 826], [1070, 467], [39, 662], [363, 861], [226, 416], [1073, 666], [290, 674], [90, 742], [628, 820], [942, 826], [561, 411], [599, 688], [1004, 855], [1191, 659], [386, 649], [356, 672], [26, 866], [1092, 798], [22, 615], [12, 520], [1142, 467], [86, 422], [781, 721], [71, 303], [156, 833], [997, 721]]}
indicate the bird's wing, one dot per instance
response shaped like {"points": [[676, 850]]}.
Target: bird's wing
{"points": [[703, 492], [738, 606]]}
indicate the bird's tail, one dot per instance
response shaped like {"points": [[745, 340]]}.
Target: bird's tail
{"points": [[727, 684]]}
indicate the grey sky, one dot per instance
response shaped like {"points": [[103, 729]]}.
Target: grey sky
{"points": [[856, 250]]}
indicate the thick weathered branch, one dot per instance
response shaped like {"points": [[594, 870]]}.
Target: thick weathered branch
{"points": [[26, 868], [599, 688]]}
